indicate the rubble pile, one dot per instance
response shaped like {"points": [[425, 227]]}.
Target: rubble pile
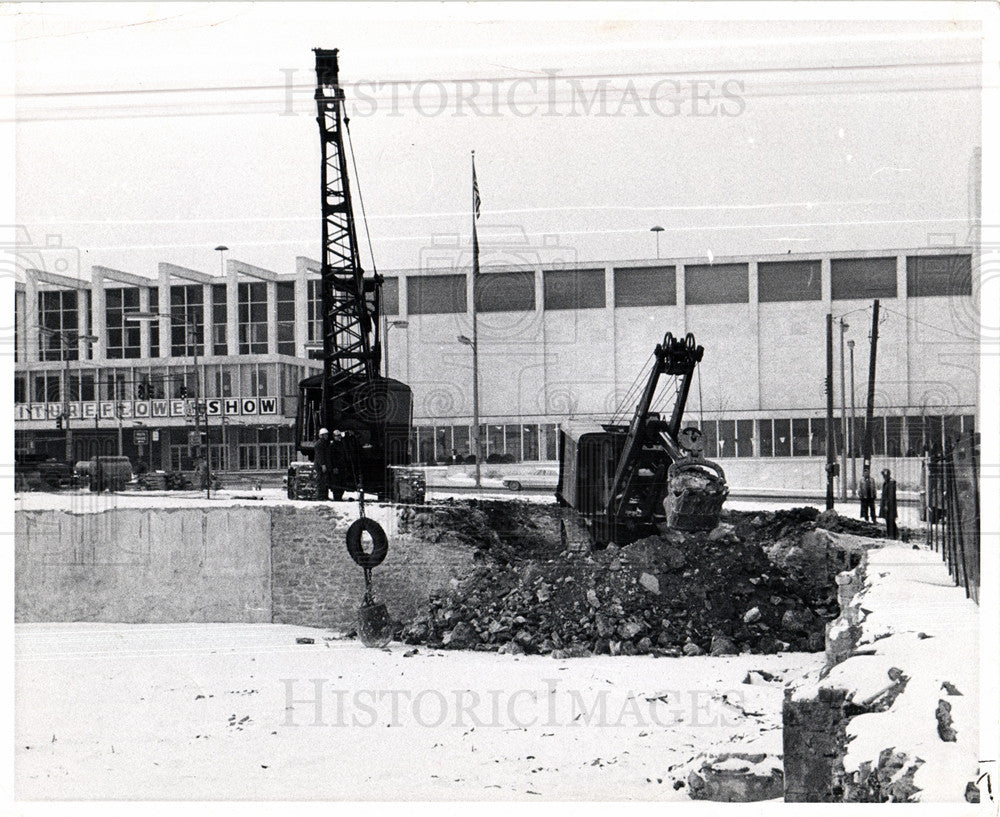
{"points": [[676, 593]]}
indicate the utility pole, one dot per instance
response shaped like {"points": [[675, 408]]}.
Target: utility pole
{"points": [[831, 454], [843, 414], [870, 408], [854, 428]]}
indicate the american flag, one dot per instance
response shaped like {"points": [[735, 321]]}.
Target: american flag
{"points": [[476, 201]]}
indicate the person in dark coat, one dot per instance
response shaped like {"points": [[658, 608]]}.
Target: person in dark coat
{"points": [[887, 509], [338, 459], [866, 493], [323, 461]]}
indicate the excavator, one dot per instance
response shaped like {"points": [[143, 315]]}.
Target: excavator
{"points": [[628, 481], [350, 394]]}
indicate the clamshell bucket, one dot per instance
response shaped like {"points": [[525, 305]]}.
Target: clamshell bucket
{"points": [[696, 489]]}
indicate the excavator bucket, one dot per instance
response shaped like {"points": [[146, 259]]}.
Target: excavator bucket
{"points": [[696, 489]]}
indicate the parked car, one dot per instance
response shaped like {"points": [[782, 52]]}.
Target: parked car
{"points": [[109, 473], [35, 472], [537, 479]]}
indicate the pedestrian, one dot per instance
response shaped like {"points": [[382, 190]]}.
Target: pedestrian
{"points": [[324, 465], [887, 508], [201, 473], [338, 464], [866, 493]]}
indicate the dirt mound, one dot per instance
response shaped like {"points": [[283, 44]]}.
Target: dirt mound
{"points": [[677, 593]]}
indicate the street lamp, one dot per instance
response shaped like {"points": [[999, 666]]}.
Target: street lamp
{"points": [[844, 326], [189, 332], [854, 461], [657, 230], [66, 335], [388, 326], [475, 405]]}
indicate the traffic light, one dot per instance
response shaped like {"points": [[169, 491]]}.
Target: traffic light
{"points": [[142, 391], [184, 391], [59, 422]]}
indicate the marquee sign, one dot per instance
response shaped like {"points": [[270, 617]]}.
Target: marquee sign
{"points": [[151, 409]]}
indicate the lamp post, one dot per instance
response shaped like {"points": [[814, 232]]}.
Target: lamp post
{"points": [[388, 326], [190, 331], [65, 335], [657, 230], [844, 326], [854, 460], [475, 405]]}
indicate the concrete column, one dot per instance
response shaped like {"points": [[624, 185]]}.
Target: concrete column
{"points": [[905, 303], [164, 310], [206, 322], [31, 352], [272, 317], [144, 325], [21, 316], [301, 308], [826, 283], [753, 290], [99, 316], [232, 310]]}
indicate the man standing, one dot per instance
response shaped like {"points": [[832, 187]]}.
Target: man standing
{"points": [[887, 510], [324, 465], [338, 464], [866, 493]]}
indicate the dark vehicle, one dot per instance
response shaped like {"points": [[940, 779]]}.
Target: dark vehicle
{"points": [[109, 473], [626, 481], [37, 472], [350, 395]]}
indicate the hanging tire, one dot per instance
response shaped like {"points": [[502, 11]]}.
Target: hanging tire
{"points": [[380, 543]]}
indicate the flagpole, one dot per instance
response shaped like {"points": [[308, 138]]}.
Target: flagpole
{"points": [[475, 330]]}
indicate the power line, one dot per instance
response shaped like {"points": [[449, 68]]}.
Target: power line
{"points": [[548, 76]]}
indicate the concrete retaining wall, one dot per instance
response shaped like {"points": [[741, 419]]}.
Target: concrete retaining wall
{"points": [[282, 563], [139, 565]]}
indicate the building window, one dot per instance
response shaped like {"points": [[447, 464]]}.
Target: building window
{"points": [[186, 320], [800, 438], [57, 313], [744, 438], [20, 389], [286, 317], [529, 442], [462, 441], [220, 315], [862, 278], [314, 306], [123, 335], [765, 436], [574, 289], [435, 294], [258, 381], [506, 292], [710, 432], [940, 275], [782, 438], [390, 296], [253, 318], [646, 286], [223, 383], [550, 437], [817, 428], [716, 284], [154, 326], [788, 281]]}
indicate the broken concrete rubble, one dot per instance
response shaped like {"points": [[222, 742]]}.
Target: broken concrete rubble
{"points": [[698, 592], [737, 778]]}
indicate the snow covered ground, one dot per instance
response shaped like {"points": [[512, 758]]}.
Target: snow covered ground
{"points": [[212, 711], [85, 502]]}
